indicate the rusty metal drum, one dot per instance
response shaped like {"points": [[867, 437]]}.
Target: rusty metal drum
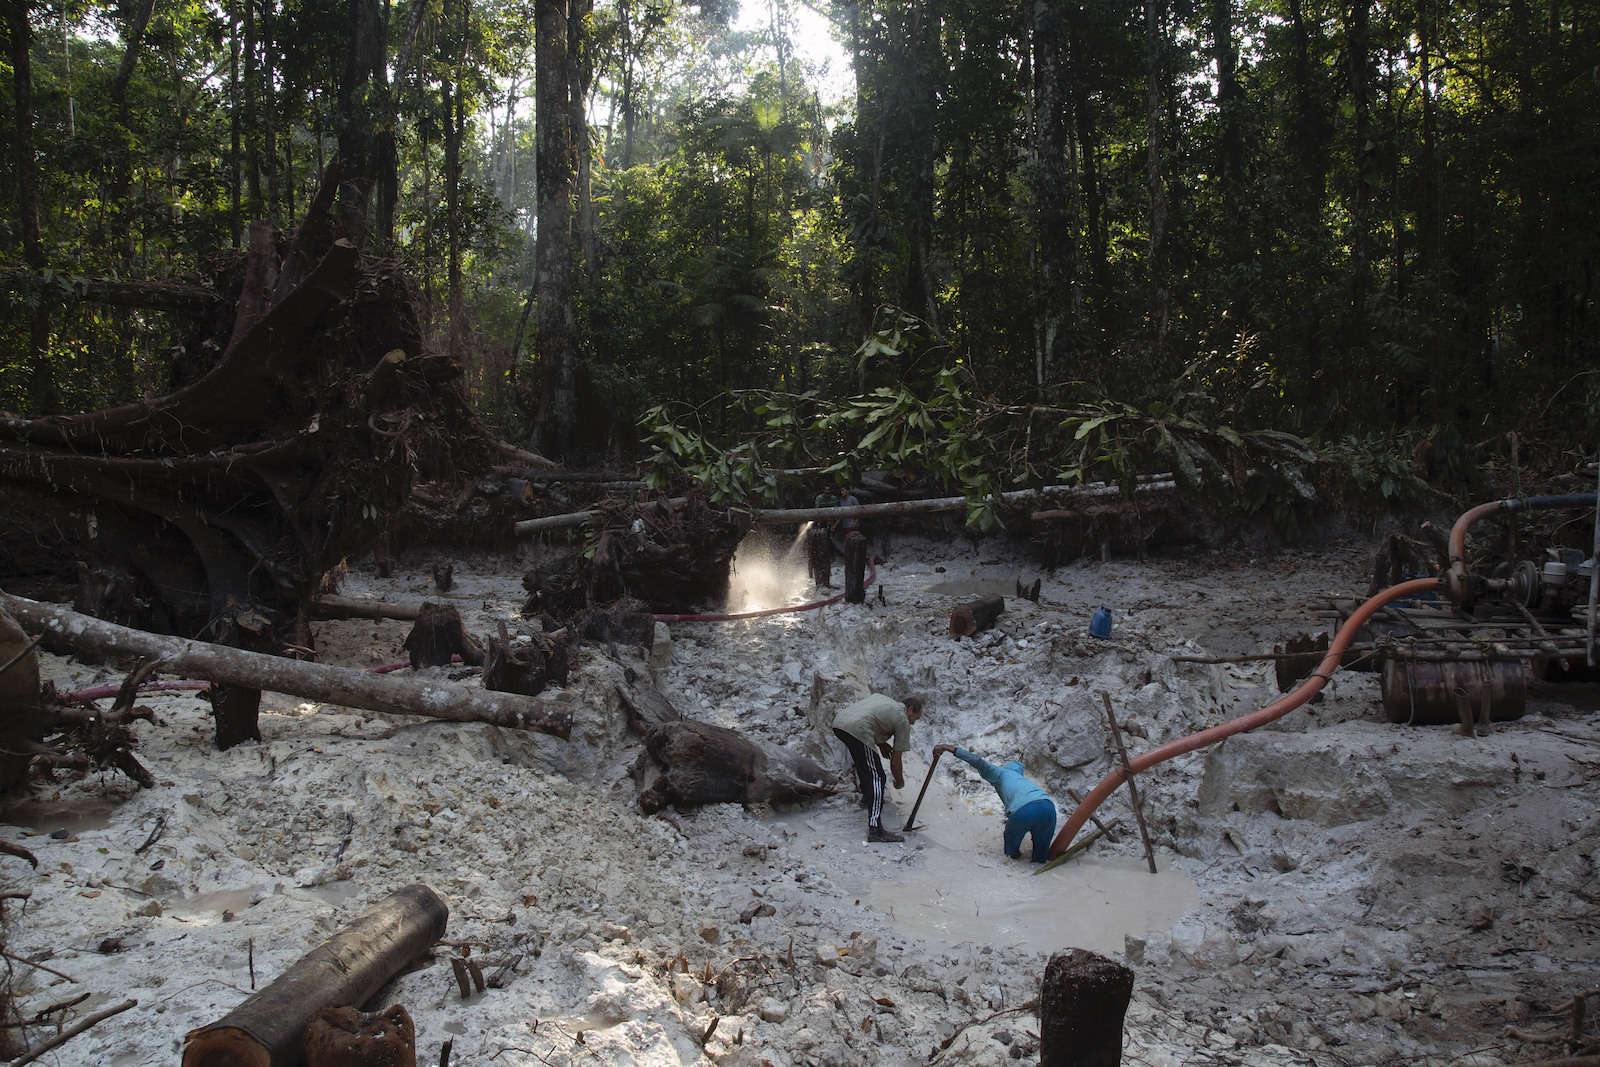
{"points": [[1430, 693]]}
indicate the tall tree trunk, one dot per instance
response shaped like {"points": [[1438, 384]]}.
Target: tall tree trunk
{"points": [[365, 123], [924, 63], [557, 336], [1055, 228], [236, 222], [1230, 145], [252, 118], [629, 105], [454, 128], [581, 69], [122, 172], [42, 387], [1088, 132], [1357, 44], [1311, 124], [269, 109], [1155, 44]]}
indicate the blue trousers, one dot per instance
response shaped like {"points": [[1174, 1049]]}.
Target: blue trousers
{"points": [[1037, 817]]}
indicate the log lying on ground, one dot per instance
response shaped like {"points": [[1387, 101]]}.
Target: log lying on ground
{"points": [[968, 619], [346, 969], [314, 681], [689, 763], [343, 607]]}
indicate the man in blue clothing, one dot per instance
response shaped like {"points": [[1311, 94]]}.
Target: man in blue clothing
{"points": [[1029, 809]]}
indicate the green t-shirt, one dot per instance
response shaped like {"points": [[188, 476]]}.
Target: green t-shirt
{"points": [[875, 719]]}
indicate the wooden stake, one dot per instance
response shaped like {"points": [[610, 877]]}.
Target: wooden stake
{"points": [[1127, 776]]}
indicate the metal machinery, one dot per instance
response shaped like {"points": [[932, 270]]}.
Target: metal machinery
{"points": [[1467, 653]]}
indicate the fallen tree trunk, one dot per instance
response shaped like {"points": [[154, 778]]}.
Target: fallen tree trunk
{"points": [[341, 607], [776, 516], [690, 763], [314, 681], [346, 969]]}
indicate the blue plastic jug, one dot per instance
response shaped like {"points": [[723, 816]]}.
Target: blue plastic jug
{"points": [[1100, 624]]}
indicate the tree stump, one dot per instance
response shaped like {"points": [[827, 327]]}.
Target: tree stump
{"points": [[855, 567], [346, 1037], [1081, 1008], [528, 667], [819, 556], [20, 720], [968, 619], [439, 634]]}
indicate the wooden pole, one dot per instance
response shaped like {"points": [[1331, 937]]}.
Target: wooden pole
{"points": [[1127, 776], [1081, 1007], [923, 791], [346, 969], [314, 681]]}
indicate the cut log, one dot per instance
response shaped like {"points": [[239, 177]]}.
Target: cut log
{"points": [[692, 763], [348, 1037], [349, 967], [855, 567], [314, 681], [976, 616], [440, 634], [1081, 1008]]}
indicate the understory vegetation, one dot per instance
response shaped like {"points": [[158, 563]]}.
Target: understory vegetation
{"points": [[1285, 249]]}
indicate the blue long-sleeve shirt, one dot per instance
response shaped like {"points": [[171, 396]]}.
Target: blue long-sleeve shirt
{"points": [[1014, 789]]}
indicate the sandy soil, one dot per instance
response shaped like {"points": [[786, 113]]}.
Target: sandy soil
{"points": [[1332, 890]]}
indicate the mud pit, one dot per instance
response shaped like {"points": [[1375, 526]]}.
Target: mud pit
{"points": [[1333, 890]]}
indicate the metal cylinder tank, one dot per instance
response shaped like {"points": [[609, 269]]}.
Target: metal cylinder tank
{"points": [[1430, 694]]}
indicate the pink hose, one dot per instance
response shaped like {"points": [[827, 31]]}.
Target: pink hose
{"points": [[1276, 710], [870, 578]]}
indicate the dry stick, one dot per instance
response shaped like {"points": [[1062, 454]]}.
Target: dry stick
{"points": [[39, 966], [924, 792], [1127, 776], [67, 1035]]}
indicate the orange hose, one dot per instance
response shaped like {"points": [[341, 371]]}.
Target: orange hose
{"points": [[1276, 710]]}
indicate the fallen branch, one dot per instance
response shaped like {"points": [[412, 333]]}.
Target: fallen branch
{"points": [[71, 1032], [313, 681]]}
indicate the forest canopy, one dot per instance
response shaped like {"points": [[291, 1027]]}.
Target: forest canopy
{"points": [[1246, 240]]}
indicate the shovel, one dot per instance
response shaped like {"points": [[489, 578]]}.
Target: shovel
{"points": [[925, 783]]}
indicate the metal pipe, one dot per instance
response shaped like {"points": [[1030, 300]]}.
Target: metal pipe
{"points": [[1276, 710], [1457, 584]]}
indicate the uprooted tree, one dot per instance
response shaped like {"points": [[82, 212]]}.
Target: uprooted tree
{"points": [[218, 509], [296, 449]]}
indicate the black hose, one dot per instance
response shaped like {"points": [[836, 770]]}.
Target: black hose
{"points": [[1563, 500]]}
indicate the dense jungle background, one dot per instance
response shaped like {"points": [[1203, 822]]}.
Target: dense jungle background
{"points": [[1283, 247]]}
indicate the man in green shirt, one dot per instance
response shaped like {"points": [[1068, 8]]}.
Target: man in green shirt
{"points": [[866, 728]]}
